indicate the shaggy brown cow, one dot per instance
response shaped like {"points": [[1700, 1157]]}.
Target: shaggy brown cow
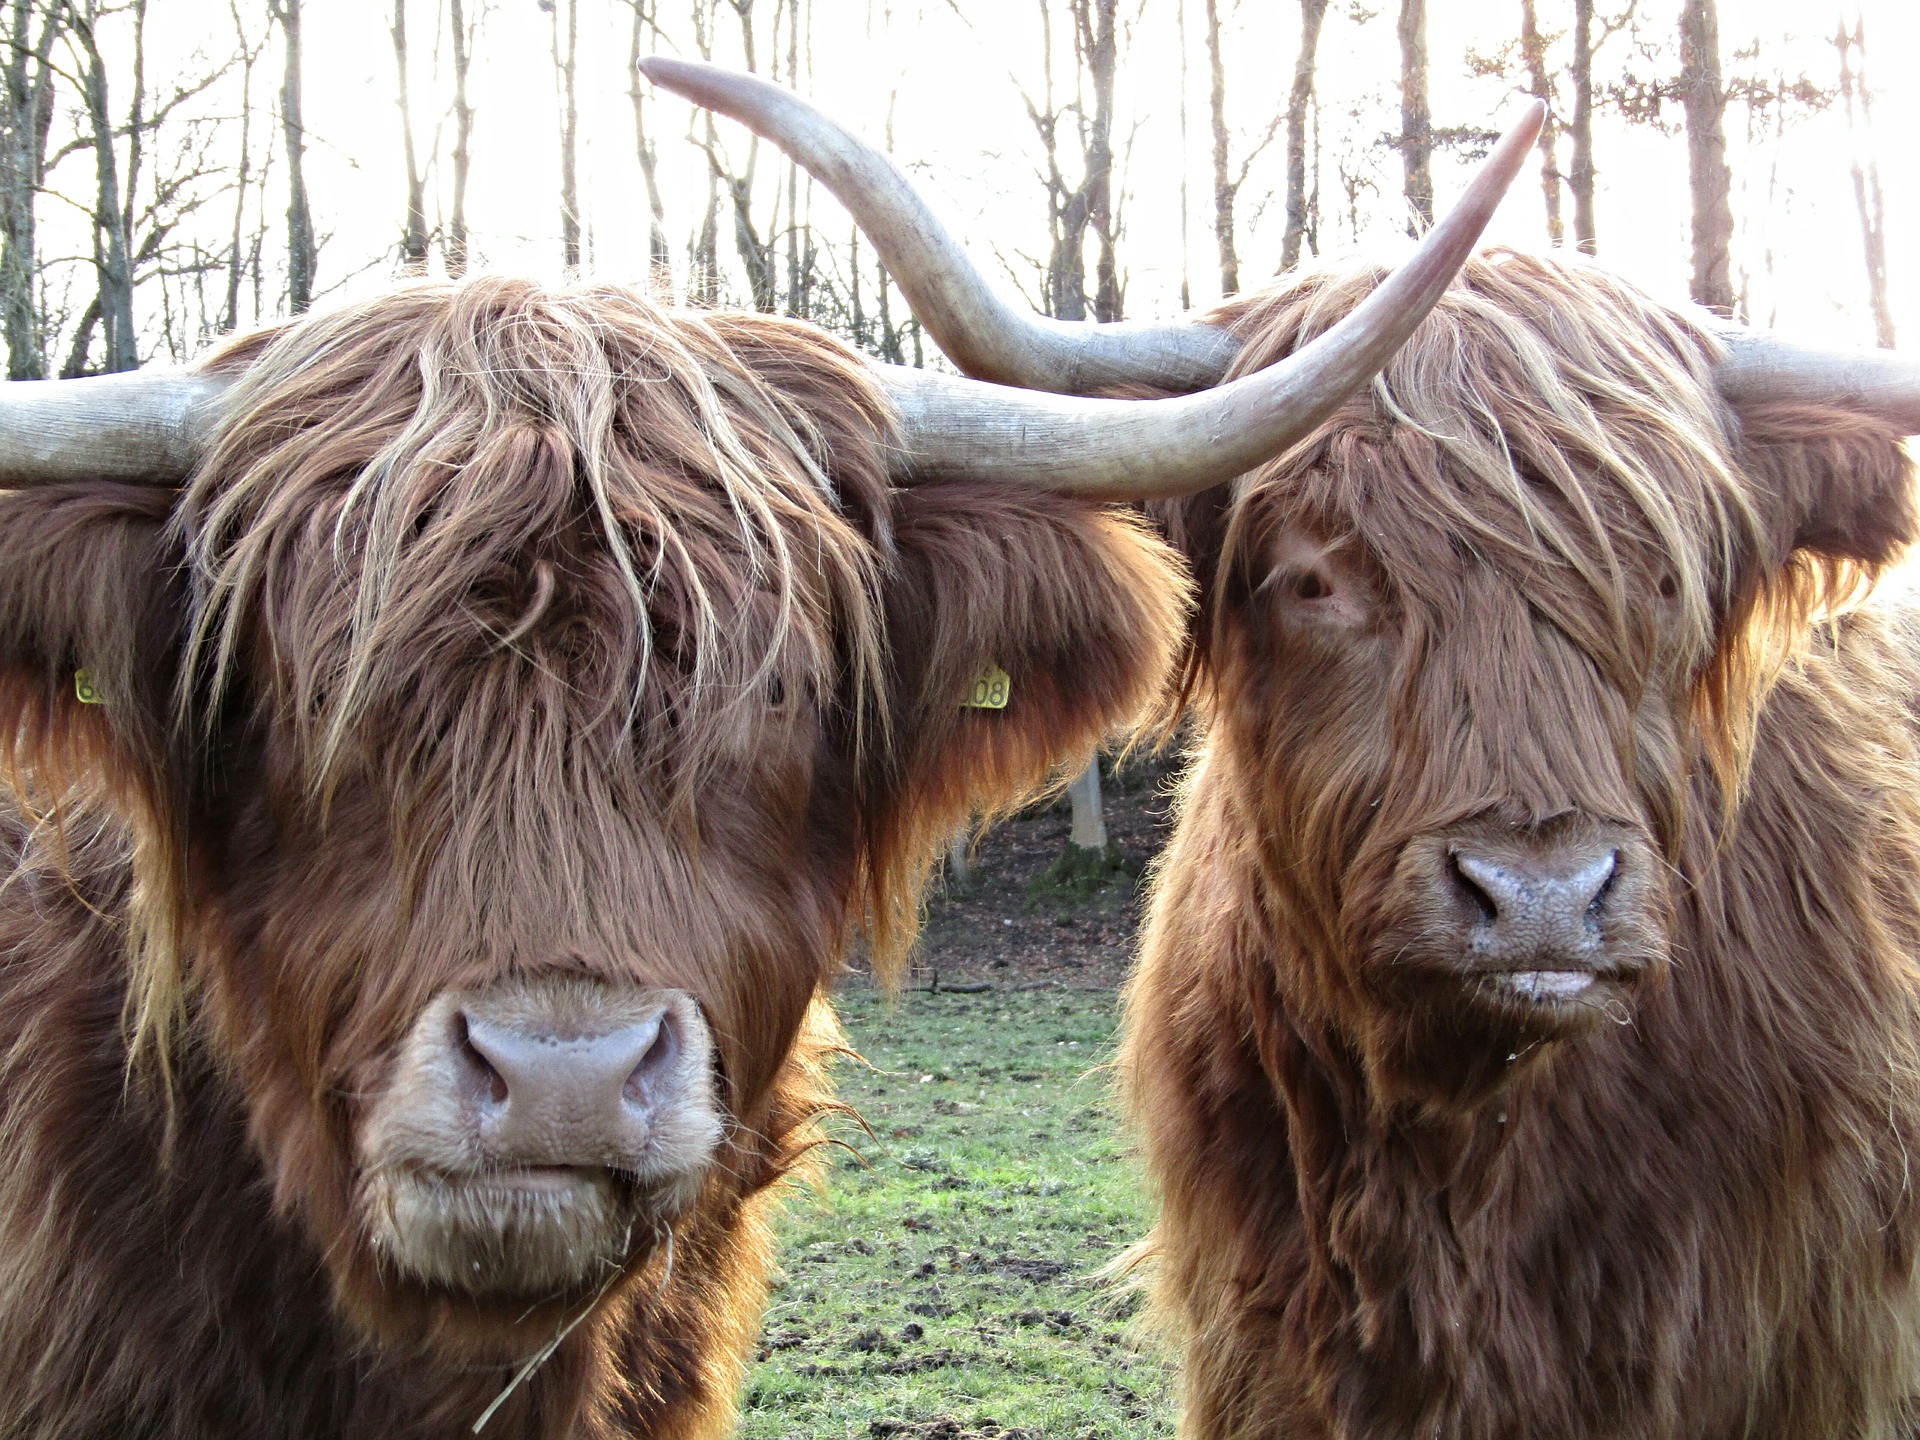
{"points": [[1526, 1041], [502, 732], [437, 823], [500, 735]]}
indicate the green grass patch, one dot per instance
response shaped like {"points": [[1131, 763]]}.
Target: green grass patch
{"points": [[945, 1287], [1080, 874]]}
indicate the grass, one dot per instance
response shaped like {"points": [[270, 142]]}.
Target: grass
{"points": [[945, 1287]]}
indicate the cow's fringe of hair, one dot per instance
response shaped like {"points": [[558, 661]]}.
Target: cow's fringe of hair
{"points": [[1533, 377]]}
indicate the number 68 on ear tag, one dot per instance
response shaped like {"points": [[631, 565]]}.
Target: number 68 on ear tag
{"points": [[992, 688]]}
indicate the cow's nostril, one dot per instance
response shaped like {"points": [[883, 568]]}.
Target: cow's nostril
{"points": [[1472, 891], [1596, 907], [482, 1074], [658, 1060]]}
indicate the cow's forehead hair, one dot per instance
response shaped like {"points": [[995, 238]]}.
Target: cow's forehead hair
{"points": [[466, 522], [1547, 421]]}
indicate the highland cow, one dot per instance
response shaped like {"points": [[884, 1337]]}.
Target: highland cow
{"points": [[1526, 1037], [453, 742]]}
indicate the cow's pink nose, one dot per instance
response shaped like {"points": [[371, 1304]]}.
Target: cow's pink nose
{"points": [[545, 1093], [1546, 906]]}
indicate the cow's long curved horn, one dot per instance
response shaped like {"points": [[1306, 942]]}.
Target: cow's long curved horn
{"points": [[980, 329], [1763, 366], [143, 427], [1142, 449], [983, 332]]}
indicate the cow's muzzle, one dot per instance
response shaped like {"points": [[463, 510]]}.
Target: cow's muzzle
{"points": [[534, 1134], [1553, 925]]}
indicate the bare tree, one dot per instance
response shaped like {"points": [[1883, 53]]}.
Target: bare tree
{"points": [[463, 36], [1186, 258], [1224, 188], [1533, 49], [25, 124], [755, 249], [659, 254], [1227, 179], [153, 168], [112, 251], [1704, 97], [302, 251], [1571, 96], [703, 250], [1064, 280], [1099, 51], [243, 167], [565, 72], [800, 256], [1581, 177], [1866, 173], [413, 239], [1300, 220], [1416, 116], [754, 243]]}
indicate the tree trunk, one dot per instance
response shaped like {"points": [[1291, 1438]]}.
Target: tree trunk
{"points": [[1866, 175], [413, 239], [1416, 116], [113, 257], [76, 361], [565, 70], [1065, 280], [1313, 14], [1580, 178], [1704, 98], [1224, 190], [798, 256], [757, 252], [24, 126], [960, 860], [659, 255], [703, 248], [236, 266], [302, 257], [1186, 257], [1099, 47], [703, 283], [1533, 49], [462, 139], [1089, 818]]}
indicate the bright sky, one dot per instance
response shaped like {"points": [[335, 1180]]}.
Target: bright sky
{"points": [[950, 70]]}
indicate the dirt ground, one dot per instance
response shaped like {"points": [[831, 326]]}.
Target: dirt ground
{"points": [[1012, 926]]}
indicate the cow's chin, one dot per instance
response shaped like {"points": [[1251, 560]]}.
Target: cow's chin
{"points": [[517, 1235], [1453, 1039]]}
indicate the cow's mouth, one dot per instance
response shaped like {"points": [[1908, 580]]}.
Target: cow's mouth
{"points": [[1553, 994], [1546, 986], [529, 1231]]}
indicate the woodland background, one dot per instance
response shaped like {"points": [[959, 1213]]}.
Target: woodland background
{"points": [[172, 169]]}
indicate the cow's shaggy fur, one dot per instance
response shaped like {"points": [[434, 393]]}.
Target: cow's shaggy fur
{"points": [[504, 633], [1540, 574]]}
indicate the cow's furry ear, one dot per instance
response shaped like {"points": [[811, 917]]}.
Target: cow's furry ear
{"points": [[90, 620], [1832, 484], [1081, 608]]}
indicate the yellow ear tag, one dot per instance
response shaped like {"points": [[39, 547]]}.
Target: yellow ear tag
{"points": [[992, 688], [84, 690]]}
